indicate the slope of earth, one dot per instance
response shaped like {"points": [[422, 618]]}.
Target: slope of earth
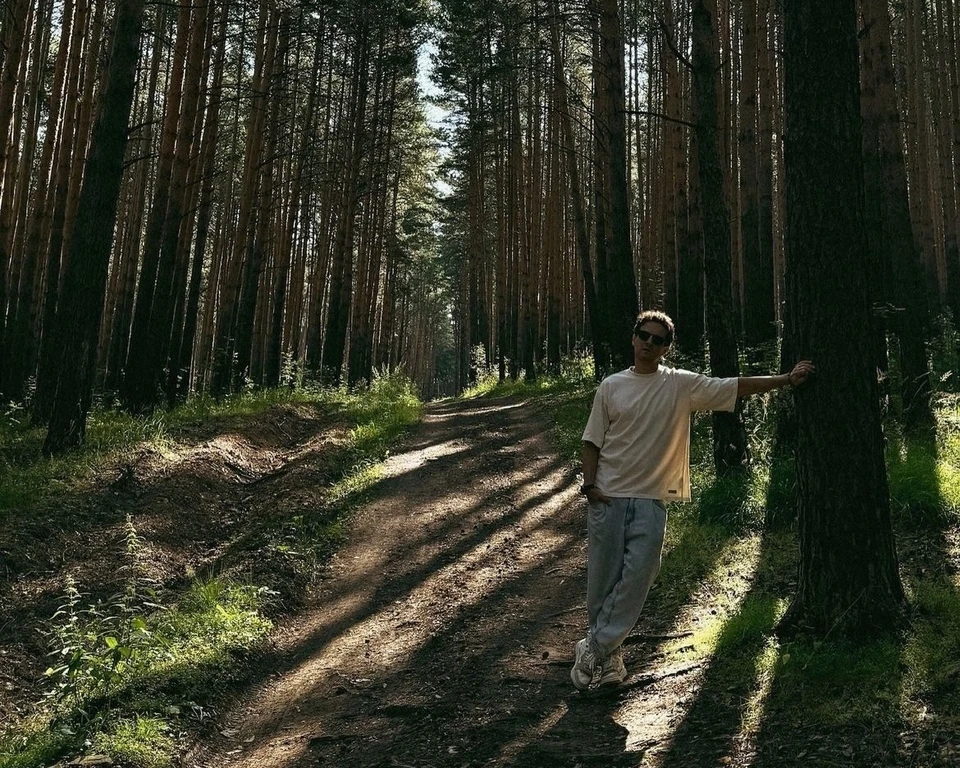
{"points": [[195, 502]]}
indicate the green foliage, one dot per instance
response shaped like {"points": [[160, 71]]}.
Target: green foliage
{"points": [[96, 646], [945, 354], [382, 412], [931, 655], [131, 654], [924, 472], [143, 742], [35, 743]]}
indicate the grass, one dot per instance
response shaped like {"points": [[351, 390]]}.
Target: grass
{"points": [[141, 741], [130, 673], [381, 413], [180, 655]]}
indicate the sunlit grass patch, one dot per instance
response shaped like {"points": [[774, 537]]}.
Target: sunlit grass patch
{"points": [[931, 656], [924, 474], [834, 683], [175, 655], [213, 618], [485, 385], [141, 742], [36, 743], [356, 482], [710, 572]]}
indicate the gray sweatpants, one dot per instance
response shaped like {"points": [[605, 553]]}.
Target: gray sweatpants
{"points": [[625, 539]]}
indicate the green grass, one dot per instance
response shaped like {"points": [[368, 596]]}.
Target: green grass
{"points": [[142, 741], [176, 658], [132, 671]]}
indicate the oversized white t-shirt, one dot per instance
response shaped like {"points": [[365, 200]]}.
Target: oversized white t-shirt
{"points": [[641, 423]]}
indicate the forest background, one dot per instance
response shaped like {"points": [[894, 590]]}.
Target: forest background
{"points": [[285, 210], [204, 199]]}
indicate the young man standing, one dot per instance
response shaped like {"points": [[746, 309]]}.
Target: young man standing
{"points": [[636, 455]]}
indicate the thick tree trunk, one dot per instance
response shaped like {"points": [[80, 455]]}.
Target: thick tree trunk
{"points": [[54, 217], [80, 308], [848, 580], [620, 286], [140, 391]]}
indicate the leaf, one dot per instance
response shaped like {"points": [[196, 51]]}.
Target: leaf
{"points": [[111, 642]]}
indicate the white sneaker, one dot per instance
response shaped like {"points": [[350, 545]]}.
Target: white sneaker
{"points": [[612, 669], [583, 666]]}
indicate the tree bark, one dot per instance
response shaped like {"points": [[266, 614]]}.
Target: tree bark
{"points": [[848, 581], [620, 285], [729, 438], [758, 308], [889, 228], [79, 311]]}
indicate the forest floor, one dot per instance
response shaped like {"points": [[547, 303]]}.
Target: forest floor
{"points": [[440, 634]]}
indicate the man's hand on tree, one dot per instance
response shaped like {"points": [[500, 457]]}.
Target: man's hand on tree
{"points": [[801, 372]]}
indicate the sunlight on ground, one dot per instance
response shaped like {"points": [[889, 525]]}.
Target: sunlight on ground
{"points": [[723, 590], [386, 641], [720, 597], [509, 752], [495, 408], [753, 708]]}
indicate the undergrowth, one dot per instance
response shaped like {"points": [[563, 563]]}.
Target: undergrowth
{"points": [[128, 674]]}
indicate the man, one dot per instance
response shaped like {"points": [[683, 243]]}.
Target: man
{"points": [[636, 455]]}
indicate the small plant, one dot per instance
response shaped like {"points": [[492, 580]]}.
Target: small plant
{"points": [[96, 645]]}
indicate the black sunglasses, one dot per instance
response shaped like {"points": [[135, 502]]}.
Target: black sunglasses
{"points": [[646, 336]]}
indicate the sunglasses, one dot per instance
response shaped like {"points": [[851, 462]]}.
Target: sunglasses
{"points": [[646, 336]]}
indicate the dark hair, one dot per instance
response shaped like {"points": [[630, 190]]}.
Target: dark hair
{"points": [[655, 316]]}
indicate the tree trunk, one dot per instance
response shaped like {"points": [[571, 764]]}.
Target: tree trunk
{"points": [[729, 438], [848, 580], [341, 284], [14, 41], [620, 287], [594, 312], [758, 309], [78, 314], [889, 229]]}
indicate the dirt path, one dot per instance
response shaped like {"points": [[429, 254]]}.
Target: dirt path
{"points": [[443, 634]]}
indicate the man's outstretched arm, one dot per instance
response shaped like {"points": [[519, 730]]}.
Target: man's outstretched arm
{"points": [[756, 385]]}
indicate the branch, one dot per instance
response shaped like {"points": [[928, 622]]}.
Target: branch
{"points": [[662, 116], [671, 45]]}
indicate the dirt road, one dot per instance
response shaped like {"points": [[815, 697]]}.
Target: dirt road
{"points": [[443, 635]]}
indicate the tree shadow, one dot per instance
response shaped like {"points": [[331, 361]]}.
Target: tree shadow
{"points": [[882, 702], [730, 692]]}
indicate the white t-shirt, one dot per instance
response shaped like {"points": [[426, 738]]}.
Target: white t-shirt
{"points": [[641, 423]]}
